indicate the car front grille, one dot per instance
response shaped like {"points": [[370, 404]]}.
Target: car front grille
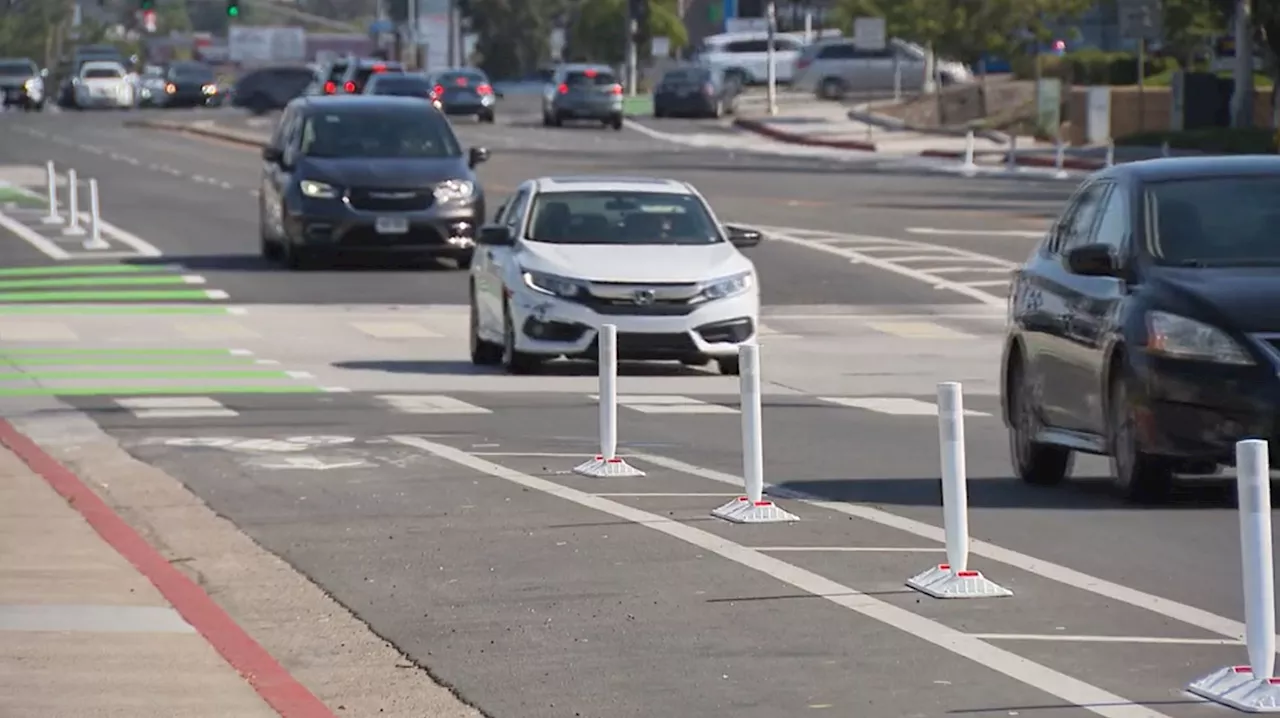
{"points": [[389, 200], [419, 235]]}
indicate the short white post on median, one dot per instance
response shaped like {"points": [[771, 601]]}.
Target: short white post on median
{"points": [[969, 165], [954, 579], [1252, 688], [1060, 160], [95, 240], [607, 463], [1111, 154], [1011, 160], [52, 179], [73, 205], [752, 508], [1164, 149]]}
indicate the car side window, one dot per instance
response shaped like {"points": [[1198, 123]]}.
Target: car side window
{"points": [[747, 46], [1078, 216], [282, 126], [292, 140], [515, 211], [1114, 222], [842, 51]]}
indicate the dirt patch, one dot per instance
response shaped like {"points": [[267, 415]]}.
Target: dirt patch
{"points": [[962, 105]]}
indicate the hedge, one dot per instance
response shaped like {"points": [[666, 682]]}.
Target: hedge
{"points": [[1093, 67], [1210, 140]]}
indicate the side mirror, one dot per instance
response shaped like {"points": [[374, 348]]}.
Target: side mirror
{"points": [[1093, 260], [496, 235], [477, 155], [273, 154], [44, 72], [743, 237]]}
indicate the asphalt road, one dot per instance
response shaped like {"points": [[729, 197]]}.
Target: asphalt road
{"points": [[459, 535]]}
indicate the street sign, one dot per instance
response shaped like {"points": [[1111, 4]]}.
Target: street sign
{"points": [[381, 27], [1140, 19], [868, 33]]}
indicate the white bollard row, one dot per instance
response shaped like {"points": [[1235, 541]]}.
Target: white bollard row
{"points": [[969, 166], [74, 224], [607, 463]]}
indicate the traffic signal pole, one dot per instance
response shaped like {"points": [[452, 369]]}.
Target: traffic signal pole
{"points": [[633, 29]]}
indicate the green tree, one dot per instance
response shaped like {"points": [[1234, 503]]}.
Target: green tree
{"points": [[34, 29], [599, 32], [513, 36], [1189, 25]]}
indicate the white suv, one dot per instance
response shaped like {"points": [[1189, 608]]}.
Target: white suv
{"points": [[746, 54], [565, 255]]}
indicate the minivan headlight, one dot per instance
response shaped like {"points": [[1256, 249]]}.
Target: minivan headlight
{"points": [[727, 286], [1178, 337], [454, 191], [552, 284], [317, 190]]}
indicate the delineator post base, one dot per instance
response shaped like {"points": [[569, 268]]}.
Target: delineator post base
{"points": [[50, 219], [1236, 687], [745, 511], [74, 231], [941, 582], [602, 468]]}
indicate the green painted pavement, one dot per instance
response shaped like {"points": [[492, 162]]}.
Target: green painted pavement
{"points": [[115, 374], [108, 309], [202, 390], [9, 193], [637, 106], [76, 351], [120, 296], [78, 269], [160, 279], [139, 360]]}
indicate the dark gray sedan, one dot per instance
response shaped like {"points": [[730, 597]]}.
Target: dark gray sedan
{"points": [[583, 92], [697, 92]]}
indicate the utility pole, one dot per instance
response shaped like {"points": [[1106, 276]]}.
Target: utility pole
{"points": [[1242, 97], [633, 29], [771, 71]]}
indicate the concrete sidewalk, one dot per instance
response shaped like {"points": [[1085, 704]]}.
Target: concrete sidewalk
{"points": [[84, 634]]}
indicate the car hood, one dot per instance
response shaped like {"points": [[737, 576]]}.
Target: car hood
{"points": [[388, 173], [1246, 298], [640, 264]]}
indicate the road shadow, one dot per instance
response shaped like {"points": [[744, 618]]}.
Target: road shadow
{"points": [[256, 263], [559, 367], [1082, 493]]}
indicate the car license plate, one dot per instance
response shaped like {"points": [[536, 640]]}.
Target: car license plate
{"points": [[391, 225]]}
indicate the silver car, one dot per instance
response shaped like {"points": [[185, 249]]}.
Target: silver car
{"points": [[582, 92], [837, 67]]}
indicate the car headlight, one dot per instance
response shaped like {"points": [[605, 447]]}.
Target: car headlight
{"points": [[32, 84], [317, 190], [454, 191], [1182, 338], [552, 284], [728, 286], [209, 89]]}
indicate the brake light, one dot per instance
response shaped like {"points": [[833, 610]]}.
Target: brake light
{"points": [[590, 73], [379, 68], [484, 90], [349, 87], [615, 90], [437, 91], [329, 88], [563, 89], [461, 81], [802, 63]]}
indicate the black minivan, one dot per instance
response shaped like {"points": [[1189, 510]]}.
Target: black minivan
{"points": [[270, 88]]}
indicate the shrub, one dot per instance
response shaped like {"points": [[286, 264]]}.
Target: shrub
{"points": [[1210, 140], [1093, 67]]}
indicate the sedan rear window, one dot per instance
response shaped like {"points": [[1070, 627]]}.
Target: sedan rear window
{"points": [[587, 78], [1214, 220], [102, 73]]}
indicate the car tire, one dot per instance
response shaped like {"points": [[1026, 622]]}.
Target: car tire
{"points": [[271, 249], [485, 117], [616, 123], [464, 260], [1140, 477], [557, 120], [483, 353], [832, 88], [658, 112], [1033, 462], [513, 361], [729, 366]]}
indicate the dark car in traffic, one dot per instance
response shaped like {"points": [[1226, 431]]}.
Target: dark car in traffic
{"points": [[696, 91], [189, 84], [328, 77], [270, 88], [21, 84], [402, 84], [361, 69], [368, 174], [1146, 325], [583, 92], [464, 92]]}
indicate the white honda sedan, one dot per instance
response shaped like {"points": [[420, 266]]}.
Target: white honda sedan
{"points": [[565, 255], [103, 83]]}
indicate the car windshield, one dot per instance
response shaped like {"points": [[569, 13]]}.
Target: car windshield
{"points": [[1214, 221], [621, 218], [102, 73], [191, 73], [363, 74], [9, 67], [589, 78], [401, 85], [378, 133], [337, 71]]}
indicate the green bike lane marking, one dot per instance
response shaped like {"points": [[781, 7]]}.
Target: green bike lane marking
{"points": [[160, 279], [70, 269], [139, 309], [192, 390], [9, 193], [140, 360], [118, 374], [78, 351], [171, 295]]}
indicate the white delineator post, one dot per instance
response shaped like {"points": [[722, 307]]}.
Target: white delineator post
{"points": [[954, 579], [1111, 154], [1060, 160], [1011, 160], [95, 240], [607, 463], [752, 508], [1252, 688], [969, 164], [73, 205], [52, 172]]}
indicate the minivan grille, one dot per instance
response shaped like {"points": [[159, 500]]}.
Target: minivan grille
{"points": [[389, 200]]}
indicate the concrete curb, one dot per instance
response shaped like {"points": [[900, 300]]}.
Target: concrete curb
{"points": [[795, 138], [894, 124], [225, 135], [1068, 162]]}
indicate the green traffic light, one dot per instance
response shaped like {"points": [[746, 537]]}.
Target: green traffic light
{"points": [[233, 11]]}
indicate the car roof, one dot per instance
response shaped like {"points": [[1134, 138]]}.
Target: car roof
{"points": [[1175, 168], [582, 67], [330, 102], [363, 62], [610, 183], [102, 63]]}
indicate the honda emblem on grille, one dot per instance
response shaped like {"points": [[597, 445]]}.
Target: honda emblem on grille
{"points": [[392, 195], [644, 296]]}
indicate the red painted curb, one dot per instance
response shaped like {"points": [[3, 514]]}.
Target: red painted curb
{"points": [[277, 687], [1070, 163], [793, 138]]}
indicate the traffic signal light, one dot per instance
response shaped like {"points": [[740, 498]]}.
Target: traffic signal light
{"points": [[145, 5], [233, 8]]}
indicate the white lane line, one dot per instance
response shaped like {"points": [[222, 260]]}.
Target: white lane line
{"points": [[539, 454], [1064, 638], [848, 549], [659, 495], [989, 283], [889, 265], [1166, 607], [1069, 689], [976, 232], [193, 279], [48, 248]]}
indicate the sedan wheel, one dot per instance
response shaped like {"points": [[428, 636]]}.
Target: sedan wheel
{"points": [[483, 353], [1139, 476], [1035, 463], [514, 361]]}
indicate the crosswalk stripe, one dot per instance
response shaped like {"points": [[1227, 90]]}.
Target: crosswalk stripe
{"points": [[668, 404], [430, 404], [175, 407], [892, 405]]}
